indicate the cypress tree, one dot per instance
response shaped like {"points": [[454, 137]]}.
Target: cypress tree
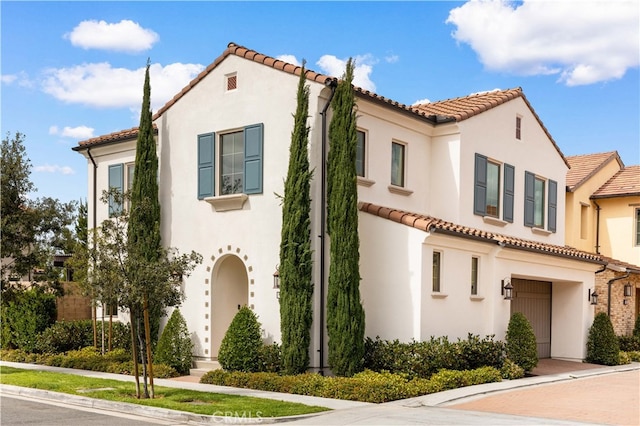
{"points": [[296, 288], [345, 315], [144, 222]]}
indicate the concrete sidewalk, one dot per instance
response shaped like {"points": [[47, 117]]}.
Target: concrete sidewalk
{"points": [[429, 409]]}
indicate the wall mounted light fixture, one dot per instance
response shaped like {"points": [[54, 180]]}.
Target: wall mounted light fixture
{"points": [[592, 297], [507, 289], [276, 277], [627, 290]]}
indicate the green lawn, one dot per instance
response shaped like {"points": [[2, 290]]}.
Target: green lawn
{"points": [[207, 403]]}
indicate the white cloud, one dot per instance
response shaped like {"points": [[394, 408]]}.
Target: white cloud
{"points": [[48, 168], [124, 36], [334, 66], [80, 132], [100, 85], [291, 59], [581, 42], [21, 79], [391, 59], [421, 101]]}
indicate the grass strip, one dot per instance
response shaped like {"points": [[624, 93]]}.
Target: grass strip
{"points": [[207, 403]]}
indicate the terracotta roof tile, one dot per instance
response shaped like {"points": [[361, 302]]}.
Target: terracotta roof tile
{"points": [[625, 183], [432, 224], [121, 135], [585, 166]]}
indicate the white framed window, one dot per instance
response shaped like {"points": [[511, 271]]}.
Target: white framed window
{"points": [[474, 275], [494, 191], [398, 164], [540, 202], [231, 163], [120, 177], [436, 286]]}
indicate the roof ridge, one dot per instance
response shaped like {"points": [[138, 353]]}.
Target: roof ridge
{"points": [[611, 155]]}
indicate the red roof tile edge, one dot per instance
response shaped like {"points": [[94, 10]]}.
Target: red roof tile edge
{"points": [[612, 155], [113, 137]]}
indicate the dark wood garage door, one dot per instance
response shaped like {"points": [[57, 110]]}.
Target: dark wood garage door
{"points": [[533, 299]]}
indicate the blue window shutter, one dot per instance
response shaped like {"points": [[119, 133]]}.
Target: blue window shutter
{"points": [[253, 146], [509, 193], [529, 198], [116, 180], [480, 186], [553, 205], [206, 165]]}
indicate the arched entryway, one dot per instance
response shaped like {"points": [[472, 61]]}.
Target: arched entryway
{"points": [[230, 288]]}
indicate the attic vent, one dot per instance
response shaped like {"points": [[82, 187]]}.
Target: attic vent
{"points": [[232, 82]]}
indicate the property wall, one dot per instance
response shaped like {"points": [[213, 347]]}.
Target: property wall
{"points": [[73, 305]]}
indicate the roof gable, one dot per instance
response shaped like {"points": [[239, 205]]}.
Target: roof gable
{"points": [[583, 167], [625, 183]]}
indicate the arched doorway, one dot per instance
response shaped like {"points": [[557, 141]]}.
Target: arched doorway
{"points": [[230, 288]]}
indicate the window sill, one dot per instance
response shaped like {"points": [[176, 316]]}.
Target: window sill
{"points": [[365, 182], [540, 231], [476, 298], [223, 203], [494, 221], [439, 295], [399, 190]]}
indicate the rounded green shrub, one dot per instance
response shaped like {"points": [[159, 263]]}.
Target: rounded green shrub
{"points": [[636, 328], [602, 344], [521, 342], [242, 343], [175, 346], [510, 370]]}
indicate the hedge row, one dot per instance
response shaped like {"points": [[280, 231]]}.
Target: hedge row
{"points": [[116, 361], [367, 386]]}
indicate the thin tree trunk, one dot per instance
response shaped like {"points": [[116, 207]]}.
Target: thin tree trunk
{"points": [[147, 333], [134, 352], [143, 355], [94, 317], [110, 329]]}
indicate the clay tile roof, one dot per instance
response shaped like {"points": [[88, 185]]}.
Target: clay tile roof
{"points": [[625, 183], [432, 224], [585, 166], [119, 136], [460, 109]]}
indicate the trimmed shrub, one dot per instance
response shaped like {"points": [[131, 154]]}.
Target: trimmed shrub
{"points": [[636, 328], [624, 358], [521, 342], [271, 358], [65, 336], [476, 353], [175, 346], [24, 317], [510, 370], [602, 344], [629, 343], [241, 345], [634, 356]]}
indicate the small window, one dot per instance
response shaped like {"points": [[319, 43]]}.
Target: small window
{"points": [[518, 127], [111, 309], [232, 82], [638, 227], [231, 163], [437, 261], [474, 276], [493, 189], [584, 221], [397, 164], [360, 153], [538, 209]]}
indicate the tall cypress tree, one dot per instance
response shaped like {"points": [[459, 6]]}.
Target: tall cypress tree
{"points": [[345, 315], [144, 222], [296, 287]]}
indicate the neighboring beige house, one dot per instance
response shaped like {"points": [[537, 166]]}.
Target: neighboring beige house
{"points": [[603, 216], [459, 199]]}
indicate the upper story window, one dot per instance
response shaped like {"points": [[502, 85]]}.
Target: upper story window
{"points": [[436, 272], [540, 197], [398, 152], [474, 276], [637, 226], [489, 188], [360, 153], [518, 127], [120, 178], [239, 163]]}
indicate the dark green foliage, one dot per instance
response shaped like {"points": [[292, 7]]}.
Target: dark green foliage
{"points": [[423, 359], [175, 346], [345, 315], [242, 343], [629, 343], [296, 287], [25, 316], [367, 386], [65, 336], [602, 343], [636, 327], [521, 342], [271, 358]]}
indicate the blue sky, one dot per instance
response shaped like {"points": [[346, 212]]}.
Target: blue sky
{"points": [[74, 70]]}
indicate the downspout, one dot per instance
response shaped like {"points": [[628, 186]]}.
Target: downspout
{"points": [[331, 83], [609, 291], [597, 227], [94, 312]]}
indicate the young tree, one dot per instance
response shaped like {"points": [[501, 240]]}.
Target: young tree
{"points": [[144, 223], [345, 315], [296, 288]]}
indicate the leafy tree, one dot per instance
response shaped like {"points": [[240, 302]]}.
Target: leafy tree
{"points": [[27, 315], [33, 230], [521, 342], [345, 315], [602, 344], [175, 345], [296, 287], [241, 345]]}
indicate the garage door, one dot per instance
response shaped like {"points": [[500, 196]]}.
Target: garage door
{"points": [[533, 299]]}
